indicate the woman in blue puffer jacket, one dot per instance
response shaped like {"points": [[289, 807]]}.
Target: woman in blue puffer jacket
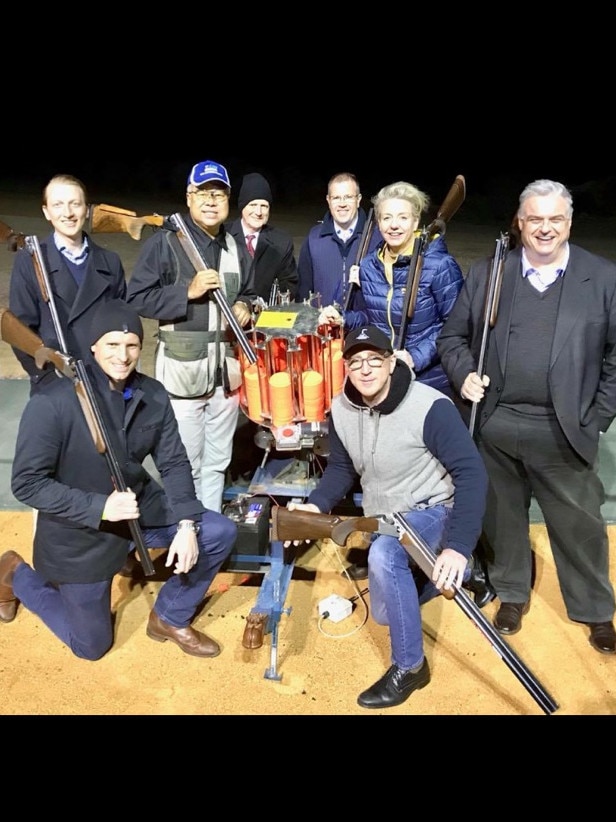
{"points": [[383, 278]]}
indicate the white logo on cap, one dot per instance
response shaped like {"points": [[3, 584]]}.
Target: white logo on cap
{"points": [[363, 335]]}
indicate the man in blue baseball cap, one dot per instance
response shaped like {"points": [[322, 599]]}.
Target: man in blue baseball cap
{"points": [[195, 356], [206, 172]]}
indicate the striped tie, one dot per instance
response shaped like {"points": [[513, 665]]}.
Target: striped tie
{"points": [[250, 243]]}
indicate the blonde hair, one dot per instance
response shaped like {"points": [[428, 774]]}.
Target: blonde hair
{"points": [[65, 179], [402, 191]]}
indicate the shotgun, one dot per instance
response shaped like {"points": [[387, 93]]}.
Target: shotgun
{"points": [[490, 312], [364, 242], [451, 203], [12, 239], [300, 525], [194, 255], [112, 219], [75, 370], [108, 219]]}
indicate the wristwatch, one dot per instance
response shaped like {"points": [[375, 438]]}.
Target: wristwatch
{"points": [[188, 523]]}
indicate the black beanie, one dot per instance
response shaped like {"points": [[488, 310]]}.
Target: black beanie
{"points": [[254, 187], [115, 315]]}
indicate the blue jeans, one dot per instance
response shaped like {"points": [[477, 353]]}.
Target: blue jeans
{"points": [[79, 614], [398, 587]]}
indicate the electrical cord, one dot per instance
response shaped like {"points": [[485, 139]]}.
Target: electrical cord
{"points": [[358, 596]]}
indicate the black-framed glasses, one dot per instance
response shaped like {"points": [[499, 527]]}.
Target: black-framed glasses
{"points": [[373, 361]]}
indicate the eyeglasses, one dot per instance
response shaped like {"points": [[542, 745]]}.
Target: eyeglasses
{"points": [[373, 362], [209, 194], [343, 198], [537, 222]]}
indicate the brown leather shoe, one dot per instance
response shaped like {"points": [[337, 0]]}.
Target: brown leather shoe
{"points": [[602, 637], [8, 601], [191, 641], [253, 632], [508, 619]]}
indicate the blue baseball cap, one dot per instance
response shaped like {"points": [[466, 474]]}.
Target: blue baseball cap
{"points": [[206, 172]]}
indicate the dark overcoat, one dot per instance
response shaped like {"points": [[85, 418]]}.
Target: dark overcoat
{"points": [[58, 470], [582, 371], [104, 280]]}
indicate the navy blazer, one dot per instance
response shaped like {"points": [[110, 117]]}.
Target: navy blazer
{"points": [[582, 375], [104, 280]]}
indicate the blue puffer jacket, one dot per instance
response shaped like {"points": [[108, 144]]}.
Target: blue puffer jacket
{"points": [[381, 303]]}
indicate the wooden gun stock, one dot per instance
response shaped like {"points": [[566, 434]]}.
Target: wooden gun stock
{"points": [[12, 239], [364, 242], [412, 285], [452, 202], [19, 336], [108, 219], [299, 525]]}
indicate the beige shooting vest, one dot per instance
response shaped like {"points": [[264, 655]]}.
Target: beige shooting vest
{"points": [[189, 362]]}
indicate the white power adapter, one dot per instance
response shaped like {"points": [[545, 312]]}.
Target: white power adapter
{"points": [[335, 608]]}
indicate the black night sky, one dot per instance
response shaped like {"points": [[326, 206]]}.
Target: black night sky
{"points": [[125, 154]]}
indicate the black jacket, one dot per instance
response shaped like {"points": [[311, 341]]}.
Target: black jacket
{"points": [[582, 374], [58, 470], [104, 280], [274, 259]]}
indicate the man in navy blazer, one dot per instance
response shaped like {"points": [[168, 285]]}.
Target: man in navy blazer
{"points": [[82, 275], [547, 391]]}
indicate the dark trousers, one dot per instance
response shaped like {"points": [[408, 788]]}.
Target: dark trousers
{"points": [[529, 455], [79, 614]]}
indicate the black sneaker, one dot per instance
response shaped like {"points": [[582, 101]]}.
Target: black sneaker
{"points": [[356, 571]]}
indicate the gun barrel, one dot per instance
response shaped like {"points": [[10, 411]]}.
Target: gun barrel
{"points": [[190, 247], [423, 555], [490, 311]]}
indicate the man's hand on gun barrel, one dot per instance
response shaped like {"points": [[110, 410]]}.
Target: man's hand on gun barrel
{"points": [[473, 387], [449, 569]]}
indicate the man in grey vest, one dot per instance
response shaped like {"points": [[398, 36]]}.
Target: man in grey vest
{"points": [[195, 357]]}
